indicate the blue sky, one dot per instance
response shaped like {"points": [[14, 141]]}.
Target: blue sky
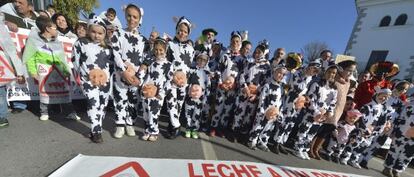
{"points": [[284, 23]]}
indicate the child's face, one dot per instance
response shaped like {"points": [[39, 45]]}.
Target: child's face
{"points": [[132, 16], [159, 51], [348, 105], [330, 74], [351, 119], [61, 22], [52, 30], [257, 54], [279, 74], [313, 70], [402, 90], [182, 32], [97, 33], [235, 43], [201, 61], [245, 51], [110, 16], [81, 32], [382, 98]]}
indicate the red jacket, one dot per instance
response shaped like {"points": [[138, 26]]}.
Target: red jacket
{"points": [[365, 91]]}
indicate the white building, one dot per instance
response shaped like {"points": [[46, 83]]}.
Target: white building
{"points": [[384, 30]]}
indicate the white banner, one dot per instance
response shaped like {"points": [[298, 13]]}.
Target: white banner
{"points": [[30, 90], [83, 165]]}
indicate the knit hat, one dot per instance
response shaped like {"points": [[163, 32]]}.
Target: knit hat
{"points": [[316, 63], [264, 47], [379, 90], [353, 113]]}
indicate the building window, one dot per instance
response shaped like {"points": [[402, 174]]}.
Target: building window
{"points": [[376, 56], [401, 20], [385, 21]]}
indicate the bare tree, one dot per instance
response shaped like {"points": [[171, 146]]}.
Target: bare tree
{"points": [[312, 50]]}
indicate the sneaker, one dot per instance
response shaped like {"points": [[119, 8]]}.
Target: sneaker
{"points": [[119, 132], [342, 162], [44, 117], [212, 132], [4, 123], [153, 138], [252, 145], [194, 134], [355, 165], [300, 154], [145, 137], [283, 150], [263, 147], [130, 131], [387, 172], [96, 137], [73, 116], [174, 133], [395, 173], [17, 111], [187, 134], [306, 154], [364, 164]]}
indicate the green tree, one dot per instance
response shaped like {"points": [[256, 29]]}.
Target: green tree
{"points": [[73, 8]]}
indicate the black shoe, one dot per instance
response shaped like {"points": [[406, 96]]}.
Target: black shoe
{"points": [[275, 148], [174, 133], [4, 123], [335, 159], [283, 150], [17, 111], [96, 137], [233, 137], [364, 164]]}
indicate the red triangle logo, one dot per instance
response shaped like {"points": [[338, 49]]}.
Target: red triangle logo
{"points": [[6, 70], [134, 165], [51, 71]]}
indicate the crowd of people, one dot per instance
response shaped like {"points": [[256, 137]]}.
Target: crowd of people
{"points": [[222, 91]]}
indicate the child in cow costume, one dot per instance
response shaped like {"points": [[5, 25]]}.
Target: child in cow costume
{"points": [[157, 80], [199, 88], [270, 102], [93, 61], [322, 99], [252, 80], [402, 147], [181, 54], [128, 46]]}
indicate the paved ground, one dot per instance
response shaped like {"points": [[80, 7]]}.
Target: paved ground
{"points": [[30, 147]]}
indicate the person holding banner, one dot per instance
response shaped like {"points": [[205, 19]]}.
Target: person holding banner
{"points": [[93, 60], [11, 68], [46, 62], [128, 45]]}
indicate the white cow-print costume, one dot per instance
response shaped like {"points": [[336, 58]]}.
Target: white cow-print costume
{"points": [[338, 142], [225, 99], [321, 95], [159, 73], [374, 115], [181, 55], [298, 85], [194, 107], [256, 73], [402, 147], [128, 47], [87, 56], [395, 106], [272, 94]]}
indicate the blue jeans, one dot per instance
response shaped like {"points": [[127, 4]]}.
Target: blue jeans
{"points": [[19, 105], [3, 102]]}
